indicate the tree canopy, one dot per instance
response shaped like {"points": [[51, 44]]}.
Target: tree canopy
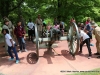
{"points": [[62, 9]]}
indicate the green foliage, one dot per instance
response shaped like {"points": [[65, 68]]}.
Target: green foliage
{"points": [[98, 24], [49, 20], [49, 9]]}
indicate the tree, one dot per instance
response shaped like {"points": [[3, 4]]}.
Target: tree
{"points": [[7, 6]]}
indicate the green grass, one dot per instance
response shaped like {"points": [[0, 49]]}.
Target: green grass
{"points": [[91, 72]]}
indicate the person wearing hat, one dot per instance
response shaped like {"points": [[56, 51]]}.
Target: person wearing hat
{"points": [[5, 26], [39, 23], [10, 26], [96, 32]]}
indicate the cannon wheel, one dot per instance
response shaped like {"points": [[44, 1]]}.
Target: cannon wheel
{"points": [[32, 58], [37, 40], [73, 39]]}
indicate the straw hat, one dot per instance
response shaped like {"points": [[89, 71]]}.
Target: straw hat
{"points": [[93, 24]]}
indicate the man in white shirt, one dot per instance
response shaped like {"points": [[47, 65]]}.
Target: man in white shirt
{"points": [[31, 29], [85, 39]]}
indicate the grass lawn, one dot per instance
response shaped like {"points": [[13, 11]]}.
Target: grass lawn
{"points": [[91, 72]]}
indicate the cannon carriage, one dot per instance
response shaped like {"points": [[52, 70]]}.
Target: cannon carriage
{"points": [[72, 39]]}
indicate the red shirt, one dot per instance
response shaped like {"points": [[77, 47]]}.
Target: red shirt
{"points": [[19, 31]]}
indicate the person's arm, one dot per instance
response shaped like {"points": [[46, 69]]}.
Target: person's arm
{"points": [[12, 42], [36, 21], [94, 31]]}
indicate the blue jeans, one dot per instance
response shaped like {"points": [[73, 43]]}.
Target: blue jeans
{"points": [[15, 52], [21, 42]]}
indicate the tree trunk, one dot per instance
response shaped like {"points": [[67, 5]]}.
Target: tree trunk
{"points": [[4, 6], [59, 10]]}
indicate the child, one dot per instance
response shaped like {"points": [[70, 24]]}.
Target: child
{"points": [[19, 32], [11, 45]]}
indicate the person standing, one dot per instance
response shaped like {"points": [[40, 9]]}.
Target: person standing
{"points": [[20, 33], [31, 30], [84, 38], [11, 28], [88, 29], [39, 25], [11, 45], [5, 26]]}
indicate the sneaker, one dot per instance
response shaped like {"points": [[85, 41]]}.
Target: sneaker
{"points": [[11, 59], [91, 44], [17, 61], [98, 57], [89, 57], [25, 50]]}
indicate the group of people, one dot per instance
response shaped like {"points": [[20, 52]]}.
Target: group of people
{"points": [[86, 32], [14, 34]]}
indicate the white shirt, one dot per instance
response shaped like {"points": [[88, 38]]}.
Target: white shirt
{"points": [[84, 35], [7, 38], [30, 25]]}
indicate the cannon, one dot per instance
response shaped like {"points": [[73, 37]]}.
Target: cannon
{"points": [[72, 39]]}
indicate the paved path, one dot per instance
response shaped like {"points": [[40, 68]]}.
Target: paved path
{"points": [[50, 65]]}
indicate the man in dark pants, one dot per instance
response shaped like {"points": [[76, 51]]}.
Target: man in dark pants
{"points": [[20, 33], [31, 28], [85, 39]]}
